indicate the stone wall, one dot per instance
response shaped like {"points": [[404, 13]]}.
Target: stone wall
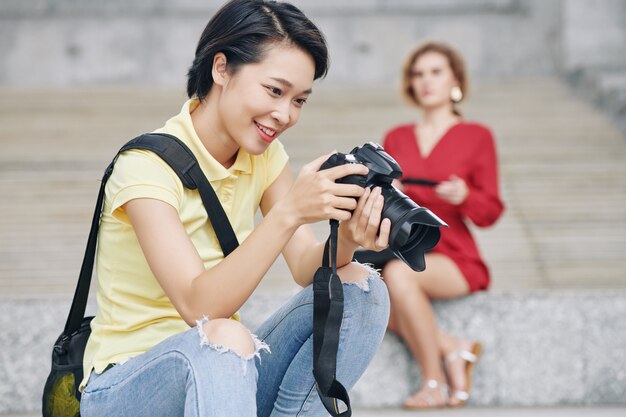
{"points": [[151, 42], [594, 34]]}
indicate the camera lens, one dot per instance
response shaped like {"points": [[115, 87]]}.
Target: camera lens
{"points": [[416, 235], [414, 229]]}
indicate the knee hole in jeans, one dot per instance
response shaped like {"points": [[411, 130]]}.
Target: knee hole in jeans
{"points": [[230, 334]]}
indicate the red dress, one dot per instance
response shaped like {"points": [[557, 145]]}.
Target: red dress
{"points": [[466, 150]]}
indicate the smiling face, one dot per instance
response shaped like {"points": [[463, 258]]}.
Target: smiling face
{"points": [[260, 101], [432, 80]]}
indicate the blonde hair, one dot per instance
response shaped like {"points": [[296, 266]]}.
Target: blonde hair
{"points": [[457, 65]]}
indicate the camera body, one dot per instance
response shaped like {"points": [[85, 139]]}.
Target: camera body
{"points": [[414, 229], [383, 169]]}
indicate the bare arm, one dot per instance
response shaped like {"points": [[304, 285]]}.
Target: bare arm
{"points": [[359, 226], [221, 291], [217, 292]]}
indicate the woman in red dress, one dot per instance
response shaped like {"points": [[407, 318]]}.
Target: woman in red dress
{"points": [[458, 159]]}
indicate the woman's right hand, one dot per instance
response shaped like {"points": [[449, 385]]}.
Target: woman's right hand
{"points": [[315, 196]]}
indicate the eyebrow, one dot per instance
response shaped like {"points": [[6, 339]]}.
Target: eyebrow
{"points": [[289, 85]]}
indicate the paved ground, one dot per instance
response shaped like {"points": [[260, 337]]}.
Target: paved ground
{"points": [[505, 412], [475, 412]]}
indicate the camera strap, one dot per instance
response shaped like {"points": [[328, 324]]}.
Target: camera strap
{"points": [[327, 317]]}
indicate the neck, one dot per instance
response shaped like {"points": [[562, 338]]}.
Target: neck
{"points": [[439, 117], [212, 133]]}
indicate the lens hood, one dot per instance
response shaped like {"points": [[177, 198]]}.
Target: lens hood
{"points": [[413, 234]]}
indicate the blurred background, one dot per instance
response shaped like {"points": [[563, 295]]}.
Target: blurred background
{"points": [[80, 78]]}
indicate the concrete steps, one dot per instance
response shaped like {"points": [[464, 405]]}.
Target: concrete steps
{"points": [[561, 163], [552, 325], [563, 176]]}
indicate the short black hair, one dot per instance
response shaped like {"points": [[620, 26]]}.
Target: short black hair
{"points": [[242, 30]]}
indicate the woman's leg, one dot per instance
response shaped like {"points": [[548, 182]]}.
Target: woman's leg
{"points": [[206, 371], [413, 319], [286, 383]]}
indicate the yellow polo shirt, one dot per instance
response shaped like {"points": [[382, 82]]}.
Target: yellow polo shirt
{"points": [[134, 314]]}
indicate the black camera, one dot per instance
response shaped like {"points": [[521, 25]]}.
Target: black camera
{"points": [[414, 229]]}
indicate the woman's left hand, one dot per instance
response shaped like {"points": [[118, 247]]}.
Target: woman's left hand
{"points": [[454, 191], [365, 227]]}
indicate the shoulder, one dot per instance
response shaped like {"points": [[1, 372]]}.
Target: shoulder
{"points": [[473, 135], [398, 133], [400, 130], [141, 174], [477, 131], [141, 169], [142, 164]]}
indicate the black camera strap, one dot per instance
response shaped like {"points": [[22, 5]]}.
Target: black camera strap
{"points": [[420, 181], [182, 160], [327, 317]]}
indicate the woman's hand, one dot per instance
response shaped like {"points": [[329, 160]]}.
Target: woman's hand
{"points": [[365, 227], [315, 196], [454, 191]]}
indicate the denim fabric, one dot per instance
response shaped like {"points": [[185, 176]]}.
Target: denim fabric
{"points": [[183, 377]]}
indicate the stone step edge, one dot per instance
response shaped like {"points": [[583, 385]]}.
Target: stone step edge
{"points": [[542, 348]]}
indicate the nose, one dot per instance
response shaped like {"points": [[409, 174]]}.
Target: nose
{"points": [[281, 113]]}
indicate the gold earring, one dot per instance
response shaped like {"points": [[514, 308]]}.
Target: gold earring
{"points": [[456, 94]]}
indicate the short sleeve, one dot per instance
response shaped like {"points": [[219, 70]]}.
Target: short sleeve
{"points": [[142, 174], [276, 158]]}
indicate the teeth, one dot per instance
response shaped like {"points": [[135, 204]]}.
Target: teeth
{"points": [[267, 131]]}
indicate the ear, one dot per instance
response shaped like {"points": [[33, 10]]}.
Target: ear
{"points": [[219, 71]]}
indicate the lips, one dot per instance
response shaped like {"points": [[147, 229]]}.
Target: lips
{"points": [[266, 133]]}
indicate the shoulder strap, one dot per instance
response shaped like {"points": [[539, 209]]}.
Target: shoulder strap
{"points": [[182, 160]]}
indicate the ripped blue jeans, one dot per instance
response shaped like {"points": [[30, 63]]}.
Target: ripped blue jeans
{"points": [[184, 376]]}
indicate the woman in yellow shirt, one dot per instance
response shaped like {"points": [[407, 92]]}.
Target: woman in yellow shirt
{"points": [[164, 342]]}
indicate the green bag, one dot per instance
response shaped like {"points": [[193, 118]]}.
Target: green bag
{"points": [[61, 396]]}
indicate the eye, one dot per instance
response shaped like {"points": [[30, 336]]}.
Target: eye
{"points": [[415, 74], [275, 91], [300, 101]]}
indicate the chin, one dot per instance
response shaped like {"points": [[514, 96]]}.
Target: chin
{"points": [[430, 102], [433, 104], [257, 148]]}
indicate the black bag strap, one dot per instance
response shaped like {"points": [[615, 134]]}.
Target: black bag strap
{"points": [[182, 160], [327, 317]]}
